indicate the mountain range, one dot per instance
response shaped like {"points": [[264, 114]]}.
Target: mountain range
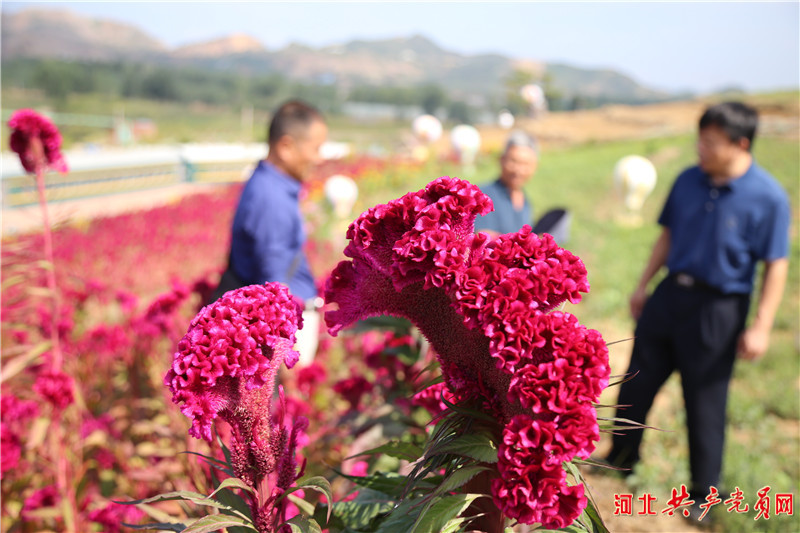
{"points": [[401, 61]]}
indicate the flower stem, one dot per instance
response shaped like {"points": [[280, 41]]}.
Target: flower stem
{"points": [[62, 468], [57, 358]]}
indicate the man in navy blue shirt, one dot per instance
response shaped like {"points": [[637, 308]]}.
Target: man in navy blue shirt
{"points": [[512, 210], [720, 219], [268, 234]]}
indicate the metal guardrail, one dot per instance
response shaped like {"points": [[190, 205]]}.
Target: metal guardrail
{"points": [[105, 172], [19, 191]]}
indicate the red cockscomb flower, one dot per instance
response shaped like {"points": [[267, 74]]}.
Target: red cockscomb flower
{"points": [[226, 366], [486, 305], [56, 388], [37, 141]]}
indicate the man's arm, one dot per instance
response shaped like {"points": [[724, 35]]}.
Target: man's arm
{"points": [[754, 341], [658, 258]]}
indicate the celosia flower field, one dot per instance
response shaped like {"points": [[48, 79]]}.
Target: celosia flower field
{"points": [[148, 373], [128, 287]]}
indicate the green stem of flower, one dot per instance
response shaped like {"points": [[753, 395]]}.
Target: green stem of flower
{"points": [[57, 357]]}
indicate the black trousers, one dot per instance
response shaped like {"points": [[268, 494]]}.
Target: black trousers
{"points": [[694, 331]]}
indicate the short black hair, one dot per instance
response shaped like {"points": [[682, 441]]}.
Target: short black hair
{"points": [[292, 118], [736, 119]]}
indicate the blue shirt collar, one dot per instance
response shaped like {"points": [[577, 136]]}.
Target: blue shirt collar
{"points": [[733, 184], [292, 185]]}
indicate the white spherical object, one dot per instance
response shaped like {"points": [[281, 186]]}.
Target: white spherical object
{"points": [[636, 176], [534, 95], [465, 137], [466, 141], [505, 120], [427, 128], [342, 192]]}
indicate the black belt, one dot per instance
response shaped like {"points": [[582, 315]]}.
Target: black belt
{"points": [[687, 281]]}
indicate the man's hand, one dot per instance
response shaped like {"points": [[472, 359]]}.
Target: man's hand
{"points": [[753, 343], [637, 301]]}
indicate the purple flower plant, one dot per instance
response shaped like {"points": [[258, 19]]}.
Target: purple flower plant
{"points": [[487, 307]]}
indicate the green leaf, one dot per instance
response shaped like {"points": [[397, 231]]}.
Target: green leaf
{"points": [[382, 322], [595, 520], [161, 516], [402, 517], [19, 363], [216, 463], [454, 525], [304, 506], [436, 517], [359, 512], [302, 524], [459, 478], [469, 413], [319, 484], [233, 483], [215, 523], [389, 483], [478, 446], [232, 500], [163, 526], [594, 517], [396, 449], [185, 495]]}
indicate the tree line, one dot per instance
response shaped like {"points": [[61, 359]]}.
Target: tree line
{"points": [[57, 79]]}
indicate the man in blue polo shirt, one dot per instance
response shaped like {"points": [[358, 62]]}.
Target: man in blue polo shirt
{"points": [[268, 236], [512, 210], [721, 218]]}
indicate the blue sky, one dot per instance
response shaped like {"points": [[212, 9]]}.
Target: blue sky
{"points": [[698, 46]]}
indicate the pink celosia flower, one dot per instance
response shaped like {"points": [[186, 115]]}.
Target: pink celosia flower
{"points": [[56, 388], [17, 417], [113, 515], [37, 141], [10, 449], [485, 305], [226, 366], [103, 423], [309, 377], [432, 398], [45, 497], [352, 389], [233, 346]]}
